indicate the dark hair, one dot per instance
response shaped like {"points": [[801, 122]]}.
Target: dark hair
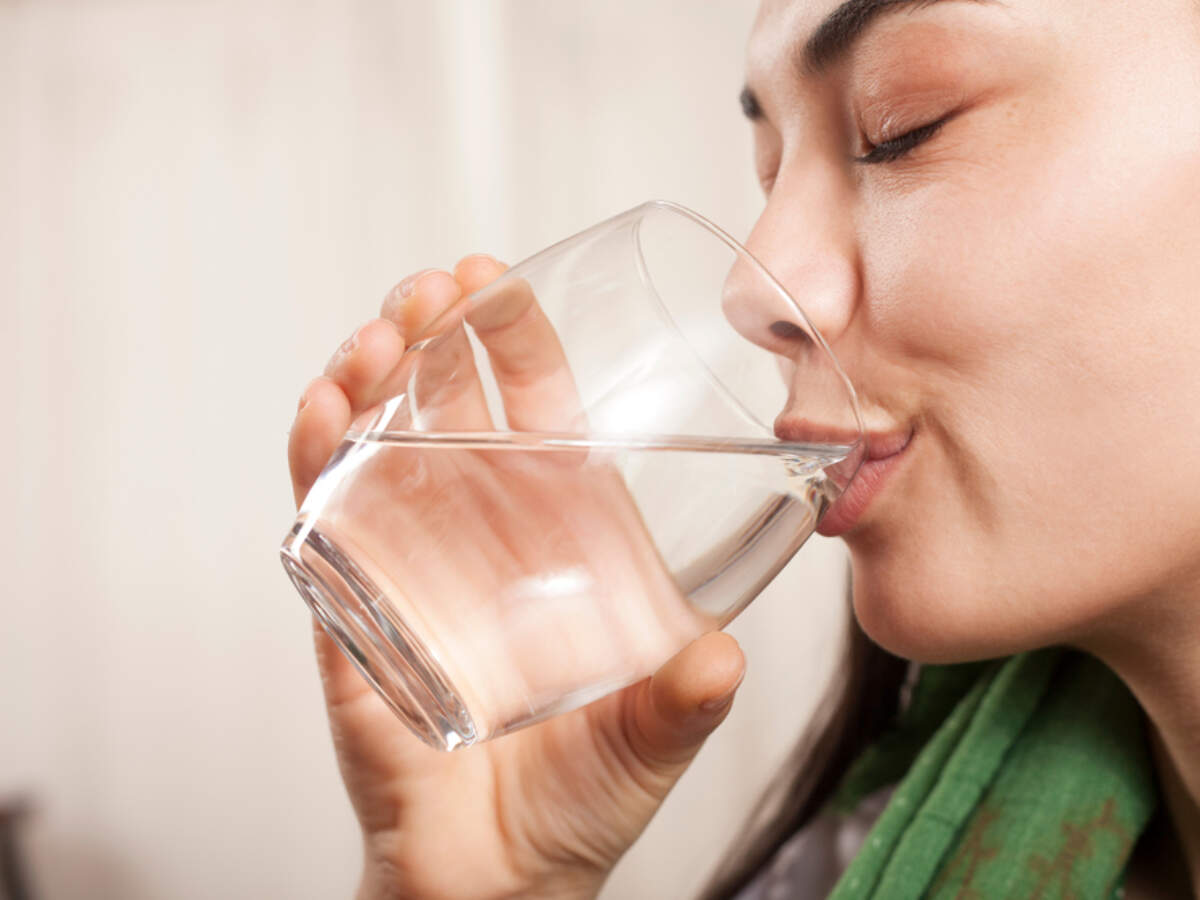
{"points": [[860, 702]]}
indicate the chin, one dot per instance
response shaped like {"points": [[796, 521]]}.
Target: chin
{"points": [[932, 616]]}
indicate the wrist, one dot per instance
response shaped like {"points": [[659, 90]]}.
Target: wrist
{"points": [[564, 888], [384, 881], [379, 881]]}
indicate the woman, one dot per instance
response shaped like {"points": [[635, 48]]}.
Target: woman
{"points": [[990, 210]]}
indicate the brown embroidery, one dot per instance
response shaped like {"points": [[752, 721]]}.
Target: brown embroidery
{"points": [[1077, 844], [971, 852]]}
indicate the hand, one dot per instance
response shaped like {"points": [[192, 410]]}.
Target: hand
{"points": [[546, 810]]}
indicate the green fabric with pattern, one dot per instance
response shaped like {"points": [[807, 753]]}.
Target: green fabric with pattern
{"points": [[1026, 777]]}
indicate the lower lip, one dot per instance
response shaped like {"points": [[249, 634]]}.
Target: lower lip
{"points": [[867, 482]]}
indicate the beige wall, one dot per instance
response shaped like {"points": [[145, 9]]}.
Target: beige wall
{"points": [[199, 201]]}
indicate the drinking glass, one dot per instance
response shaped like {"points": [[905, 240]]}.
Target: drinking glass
{"points": [[601, 455]]}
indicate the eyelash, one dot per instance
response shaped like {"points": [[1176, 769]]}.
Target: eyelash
{"points": [[888, 151]]}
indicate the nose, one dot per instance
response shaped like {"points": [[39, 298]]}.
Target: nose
{"points": [[805, 238]]}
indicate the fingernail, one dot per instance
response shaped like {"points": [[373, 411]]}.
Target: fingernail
{"points": [[304, 394], [340, 353], [718, 703], [409, 284]]}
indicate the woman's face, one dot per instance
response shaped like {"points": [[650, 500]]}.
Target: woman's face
{"points": [[1021, 290]]}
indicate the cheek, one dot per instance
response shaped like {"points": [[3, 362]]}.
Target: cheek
{"points": [[1045, 302]]}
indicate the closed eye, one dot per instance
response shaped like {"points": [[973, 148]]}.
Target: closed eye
{"points": [[887, 151]]}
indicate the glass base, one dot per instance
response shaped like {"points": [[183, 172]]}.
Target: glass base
{"points": [[356, 614]]}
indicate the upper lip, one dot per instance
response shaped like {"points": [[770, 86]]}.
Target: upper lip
{"points": [[880, 444]]}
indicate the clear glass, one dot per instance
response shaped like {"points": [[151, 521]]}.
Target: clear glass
{"points": [[608, 451]]}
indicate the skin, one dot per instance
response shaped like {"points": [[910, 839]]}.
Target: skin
{"points": [[1019, 292]]}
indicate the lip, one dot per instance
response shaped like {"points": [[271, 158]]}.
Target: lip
{"points": [[880, 444], [883, 455]]}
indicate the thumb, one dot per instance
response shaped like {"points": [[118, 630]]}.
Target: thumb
{"points": [[669, 717]]}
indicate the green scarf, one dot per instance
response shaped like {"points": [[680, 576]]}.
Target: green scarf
{"points": [[1026, 777]]}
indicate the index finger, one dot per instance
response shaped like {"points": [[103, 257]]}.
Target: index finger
{"points": [[536, 385]]}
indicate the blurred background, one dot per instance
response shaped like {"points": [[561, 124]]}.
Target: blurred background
{"points": [[198, 202]]}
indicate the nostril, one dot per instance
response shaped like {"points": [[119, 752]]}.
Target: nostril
{"points": [[788, 331]]}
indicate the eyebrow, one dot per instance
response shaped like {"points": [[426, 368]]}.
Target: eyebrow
{"points": [[836, 35]]}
